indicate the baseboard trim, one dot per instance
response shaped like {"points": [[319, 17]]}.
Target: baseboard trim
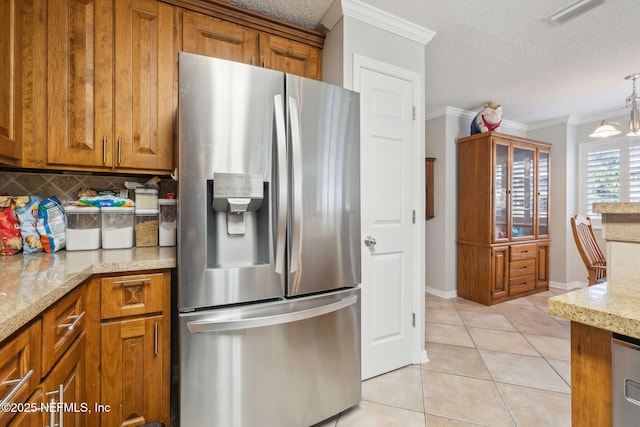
{"points": [[567, 286], [439, 293]]}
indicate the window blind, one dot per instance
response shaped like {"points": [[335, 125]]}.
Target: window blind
{"points": [[603, 178]]}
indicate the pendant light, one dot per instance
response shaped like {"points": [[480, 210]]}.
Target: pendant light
{"points": [[634, 121], [606, 129]]}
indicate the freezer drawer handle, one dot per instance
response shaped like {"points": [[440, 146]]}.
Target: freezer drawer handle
{"points": [[259, 322]]}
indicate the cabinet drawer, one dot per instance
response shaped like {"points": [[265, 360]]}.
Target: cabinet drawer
{"points": [[61, 324], [19, 368], [522, 268], [522, 283], [520, 252], [132, 295]]}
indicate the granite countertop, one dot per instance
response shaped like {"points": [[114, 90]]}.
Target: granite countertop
{"points": [[617, 208], [31, 283], [613, 307]]}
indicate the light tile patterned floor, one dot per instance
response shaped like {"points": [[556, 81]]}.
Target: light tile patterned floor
{"points": [[504, 365]]}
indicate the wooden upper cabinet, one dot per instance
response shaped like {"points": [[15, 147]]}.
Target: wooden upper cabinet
{"points": [[98, 119], [79, 83], [144, 64], [290, 56], [205, 35], [92, 84]]}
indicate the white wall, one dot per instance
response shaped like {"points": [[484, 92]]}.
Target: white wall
{"points": [[565, 265], [351, 36], [440, 231]]}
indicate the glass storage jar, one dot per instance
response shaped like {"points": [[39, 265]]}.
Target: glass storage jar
{"points": [[146, 198], [168, 221], [117, 227], [83, 228], [146, 227]]}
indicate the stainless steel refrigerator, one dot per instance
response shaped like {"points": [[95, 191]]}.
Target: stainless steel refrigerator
{"points": [[269, 246]]}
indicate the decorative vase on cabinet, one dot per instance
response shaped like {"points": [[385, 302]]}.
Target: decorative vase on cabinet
{"points": [[503, 222]]}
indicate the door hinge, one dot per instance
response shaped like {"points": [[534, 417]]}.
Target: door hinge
{"points": [[413, 320], [413, 216], [413, 114]]}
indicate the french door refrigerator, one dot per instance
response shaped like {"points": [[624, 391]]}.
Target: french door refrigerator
{"points": [[269, 246]]}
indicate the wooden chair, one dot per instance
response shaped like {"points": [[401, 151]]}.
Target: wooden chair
{"points": [[589, 250]]}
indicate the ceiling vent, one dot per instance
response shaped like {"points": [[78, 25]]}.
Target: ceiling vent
{"points": [[573, 9]]}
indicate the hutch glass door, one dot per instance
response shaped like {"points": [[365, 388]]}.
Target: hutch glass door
{"points": [[501, 183], [543, 193], [522, 192]]}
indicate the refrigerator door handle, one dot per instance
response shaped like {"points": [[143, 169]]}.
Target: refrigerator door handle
{"points": [[276, 319], [281, 152], [296, 183]]}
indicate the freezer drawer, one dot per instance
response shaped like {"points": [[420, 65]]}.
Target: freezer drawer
{"points": [[285, 363], [625, 365]]}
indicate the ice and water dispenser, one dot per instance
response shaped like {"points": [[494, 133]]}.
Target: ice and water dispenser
{"points": [[238, 220]]}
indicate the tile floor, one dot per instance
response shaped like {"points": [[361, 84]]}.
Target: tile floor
{"points": [[505, 365]]}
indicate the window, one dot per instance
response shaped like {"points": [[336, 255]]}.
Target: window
{"points": [[610, 172]]}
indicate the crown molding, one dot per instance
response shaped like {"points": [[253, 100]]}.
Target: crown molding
{"points": [[470, 115], [379, 18]]}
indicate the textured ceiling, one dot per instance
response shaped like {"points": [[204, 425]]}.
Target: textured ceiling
{"points": [[508, 52]]}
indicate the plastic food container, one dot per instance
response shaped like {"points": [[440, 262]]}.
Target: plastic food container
{"points": [[168, 221], [146, 227], [117, 227], [146, 198], [83, 228]]}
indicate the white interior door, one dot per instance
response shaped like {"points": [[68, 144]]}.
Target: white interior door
{"points": [[387, 168]]}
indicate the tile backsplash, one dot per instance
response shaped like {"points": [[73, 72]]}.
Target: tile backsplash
{"points": [[66, 185]]}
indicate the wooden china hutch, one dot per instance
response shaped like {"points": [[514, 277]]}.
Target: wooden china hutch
{"points": [[503, 217]]}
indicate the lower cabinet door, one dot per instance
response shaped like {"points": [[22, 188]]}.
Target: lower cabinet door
{"points": [[542, 266], [32, 418], [64, 388], [500, 272], [132, 372]]}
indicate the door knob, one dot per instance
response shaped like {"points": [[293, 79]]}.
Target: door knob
{"points": [[370, 241]]}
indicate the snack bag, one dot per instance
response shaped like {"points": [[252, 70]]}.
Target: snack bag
{"points": [[10, 238], [52, 224], [27, 213]]}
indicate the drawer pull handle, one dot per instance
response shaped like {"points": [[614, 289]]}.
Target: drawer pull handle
{"points": [[19, 383], [52, 414], [121, 282], [76, 320], [119, 150], [104, 149], [155, 338]]}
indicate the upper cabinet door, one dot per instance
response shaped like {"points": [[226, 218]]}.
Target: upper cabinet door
{"points": [[543, 193], [522, 191], [144, 79], [500, 191], [205, 35], [289, 56], [79, 82], [10, 47]]}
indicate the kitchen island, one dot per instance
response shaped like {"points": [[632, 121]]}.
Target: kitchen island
{"points": [[599, 311], [31, 283], [596, 313]]}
